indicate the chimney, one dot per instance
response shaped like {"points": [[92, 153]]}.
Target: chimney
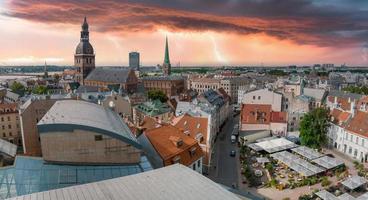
{"points": [[352, 108]]}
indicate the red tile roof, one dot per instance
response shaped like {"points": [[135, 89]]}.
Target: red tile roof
{"points": [[278, 117], [359, 124], [8, 108], [164, 140], [261, 114], [192, 126], [339, 116]]}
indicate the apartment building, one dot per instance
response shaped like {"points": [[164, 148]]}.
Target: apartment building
{"points": [[167, 145], [10, 129]]}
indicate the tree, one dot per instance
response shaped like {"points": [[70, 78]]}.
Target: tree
{"points": [[157, 94], [18, 88], [314, 127], [40, 90]]}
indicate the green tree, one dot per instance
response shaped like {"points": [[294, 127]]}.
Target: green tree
{"points": [[40, 90], [18, 88], [313, 128], [157, 94], [357, 90]]}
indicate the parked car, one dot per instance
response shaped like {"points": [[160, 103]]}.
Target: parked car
{"points": [[233, 153], [233, 138]]}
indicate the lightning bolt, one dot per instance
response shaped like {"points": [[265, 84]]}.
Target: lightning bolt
{"points": [[217, 52]]}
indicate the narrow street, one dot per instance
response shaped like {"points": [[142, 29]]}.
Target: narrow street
{"points": [[226, 171]]}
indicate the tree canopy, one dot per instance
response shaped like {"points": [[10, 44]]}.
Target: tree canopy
{"points": [[40, 90], [157, 94], [18, 88], [357, 90], [314, 127]]}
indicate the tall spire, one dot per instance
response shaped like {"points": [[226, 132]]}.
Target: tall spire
{"points": [[45, 73], [85, 32], [85, 24], [166, 67], [167, 57]]}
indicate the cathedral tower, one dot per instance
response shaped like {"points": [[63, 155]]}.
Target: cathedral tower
{"points": [[166, 66], [84, 57]]}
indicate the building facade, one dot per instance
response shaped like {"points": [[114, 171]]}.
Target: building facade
{"points": [[84, 57], [10, 123], [170, 85], [134, 60], [108, 77], [231, 85], [167, 145], [264, 96], [261, 117], [75, 131]]}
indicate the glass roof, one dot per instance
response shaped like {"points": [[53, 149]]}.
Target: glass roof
{"points": [[30, 174]]}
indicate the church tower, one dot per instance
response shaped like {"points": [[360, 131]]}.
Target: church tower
{"points": [[166, 66], [84, 57]]}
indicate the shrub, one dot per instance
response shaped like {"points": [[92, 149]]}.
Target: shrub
{"points": [[273, 182], [325, 181]]}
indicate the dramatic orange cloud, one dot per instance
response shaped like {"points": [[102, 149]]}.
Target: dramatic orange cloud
{"points": [[269, 32]]}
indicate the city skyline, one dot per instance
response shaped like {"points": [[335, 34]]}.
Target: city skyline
{"points": [[226, 33]]}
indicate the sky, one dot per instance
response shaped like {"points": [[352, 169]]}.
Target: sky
{"points": [[200, 32]]}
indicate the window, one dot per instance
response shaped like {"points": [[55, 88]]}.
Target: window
{"points": [[176, 160], [355, 153], [194, 166], [2, 119], [3, 127], [8, 118], [259, 97], [9, 126], [10, 134], [351, 138], [199, 163], [362, 142], [98, 137], [356, 140], [4, 134], [350, 150], [254, 97], [192, 151]]}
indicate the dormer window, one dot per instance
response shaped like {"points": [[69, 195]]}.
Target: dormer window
{"points": [[192, 151], [176, 159]]}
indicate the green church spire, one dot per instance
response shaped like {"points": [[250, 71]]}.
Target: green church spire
{"points": [[167, 58]]}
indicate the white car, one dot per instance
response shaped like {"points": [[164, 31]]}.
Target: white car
{"points": [[233, 138]]}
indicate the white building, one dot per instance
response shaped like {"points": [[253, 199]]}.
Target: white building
{"points": [[348, 132], [264, 96]]}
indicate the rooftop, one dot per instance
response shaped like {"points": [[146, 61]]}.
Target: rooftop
{"points": [[153, 108], [67, 115], [8, 148], [109, 74], [170, 142], [195, 127], [172, 182], [163, 78], [358, 124], [273, 145], [30, 174]]}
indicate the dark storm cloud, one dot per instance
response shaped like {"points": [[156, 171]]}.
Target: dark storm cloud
{"points": [[322, 23]]}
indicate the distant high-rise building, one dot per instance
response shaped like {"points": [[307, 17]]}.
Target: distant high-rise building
{"points": [[84, 57], [134, 60], [166, 67]]}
